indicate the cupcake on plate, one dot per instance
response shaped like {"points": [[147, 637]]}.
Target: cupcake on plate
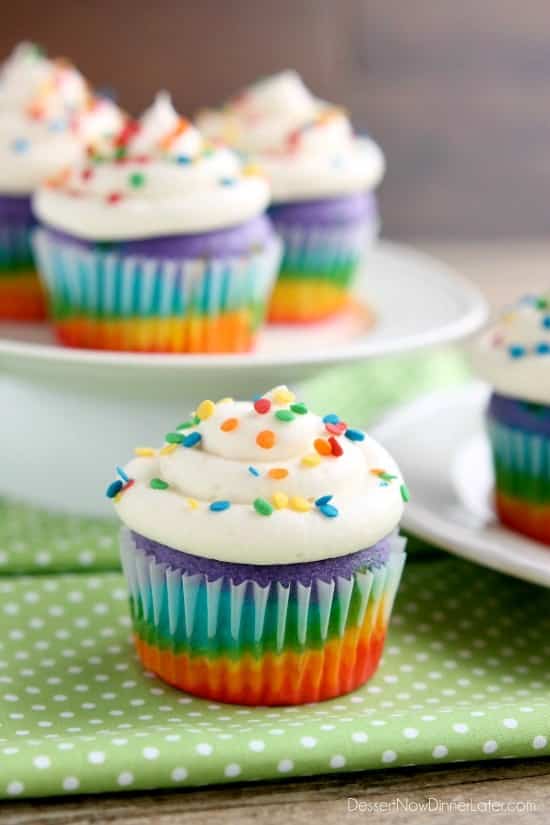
{"points": [[513, 356], [322, 178], [261, 550], [157, 243], [47, 116]]}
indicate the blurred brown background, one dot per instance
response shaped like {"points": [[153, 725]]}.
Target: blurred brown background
{"points": [[456, 91]]}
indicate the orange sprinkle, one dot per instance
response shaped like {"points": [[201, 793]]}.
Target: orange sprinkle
{"points": [[266, 439], [278, 472], [229, 424], [377, 472], [322, 446]]}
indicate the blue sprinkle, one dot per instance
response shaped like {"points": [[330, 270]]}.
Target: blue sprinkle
{"points": [[253, 471], [227, 181], [20, 145], [384, 484], [328, 510], [114, 488], [543, 348], [331, 418], [546, 322], [57, 126], [355, 435], [322, 500], [122, 474], [516, 351], [183, 159], [191, 439], [218, 506], [257, 397]]}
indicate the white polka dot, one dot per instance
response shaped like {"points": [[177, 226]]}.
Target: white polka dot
{"points": [[71, 783], [232, 769], [440, 751], [510, 723], [179, 774], [389, 756], [490, 746], [410, 733], [460, 727], [96, 757], [337, 761], [41, 762], [285, 765], [540, 742], [125, 778], [204, 749], [308, 741], [256, 745], [360, 736], [14, 788], [151, 753]]}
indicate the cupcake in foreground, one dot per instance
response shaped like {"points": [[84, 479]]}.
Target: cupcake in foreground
{"points": [[159, 243], [47, 116], [322, 178], [261, 550], [514, 358]]}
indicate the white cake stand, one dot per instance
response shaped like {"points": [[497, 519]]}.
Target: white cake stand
{"points": [[68, 415]]}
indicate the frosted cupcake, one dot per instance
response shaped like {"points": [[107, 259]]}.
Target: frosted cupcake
{"points": [[261, 550], [514, 358], [47, 115], [322, 178], [159, 244]]}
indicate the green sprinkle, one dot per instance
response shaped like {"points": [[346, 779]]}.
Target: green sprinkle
{"points": [[299, 408], [263, 507], [542, 303], [284, 415], [405, 495], [136, 179], [174, 438], [387, 477], [159, 484], [191, 423], [120, 152]]}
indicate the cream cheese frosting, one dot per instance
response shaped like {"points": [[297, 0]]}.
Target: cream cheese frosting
{"points": [[163, 178], [513, 354], [47, 116], [306, 146], [263, 482]]}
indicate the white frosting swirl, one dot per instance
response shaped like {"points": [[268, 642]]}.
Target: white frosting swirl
{"points": [[305, 146], [47, 116], [513, 355], [229, 465], [167, 181]]}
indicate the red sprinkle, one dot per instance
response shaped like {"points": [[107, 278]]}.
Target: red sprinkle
{"points": [[87, 174], [335, 447], [114, 197], [262, 405], [336, 429]]}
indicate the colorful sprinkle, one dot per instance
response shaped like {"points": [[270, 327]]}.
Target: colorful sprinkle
{"points": [[299, 408], [174, 438], [355, 435], [191, 439], [136, 179], [266, 439], [225, 401], [192, 503], [319, 502], [331, 418], [322, 446], [229, 424], [228, 181], [262, 405], [386, 476], [20, 145], [546, 322], [253, 471], [158, 484], [184, 159], [263, 507], [113, 198], [114, 488], [280, 500], [283, 396], [120, 472], [278, 473], [335, 447], [191, 423], [336, 429], [328, 510], [219, 506], [405, 495], [145, 452], [205, 410], [299, 504], [543, 348], [168, 449], [310, 460], [284, 415], [516, 351]]}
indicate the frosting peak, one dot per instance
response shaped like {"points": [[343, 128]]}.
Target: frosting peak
{"points": [[262, 482]]}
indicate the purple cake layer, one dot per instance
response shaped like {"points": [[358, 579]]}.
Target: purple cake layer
{"points": [[328, 211], [221, 243], [522, 415], [327, 570], [16, 209]]}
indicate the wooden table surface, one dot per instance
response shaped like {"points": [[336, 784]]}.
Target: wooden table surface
{"points": [[488, 792]]}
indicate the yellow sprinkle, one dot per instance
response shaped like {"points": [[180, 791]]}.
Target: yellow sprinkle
{"points": [[205, 410], [253, 169], [168, 449], [118, 497], [225, 401], [145, 452], [311, 460], [192, 503], [283, 396], [279, 501], [301, 505]]}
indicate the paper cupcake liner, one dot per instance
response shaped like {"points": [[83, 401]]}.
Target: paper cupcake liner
{"points": [[105, 300], [318, 268], [522, 479], [263, 645], [21, 294]]}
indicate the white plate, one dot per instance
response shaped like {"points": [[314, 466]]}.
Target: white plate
{"points": [[69, 415], [440, 445]]}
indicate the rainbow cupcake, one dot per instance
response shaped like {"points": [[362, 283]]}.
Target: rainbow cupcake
{"points": [[322, 178], [158, 245], [261, 550], [47, 115], [514, 357]]}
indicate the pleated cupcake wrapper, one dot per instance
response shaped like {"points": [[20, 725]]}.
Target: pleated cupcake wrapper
{"points": [[193, 608], [107, 290], [16, 255]]}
